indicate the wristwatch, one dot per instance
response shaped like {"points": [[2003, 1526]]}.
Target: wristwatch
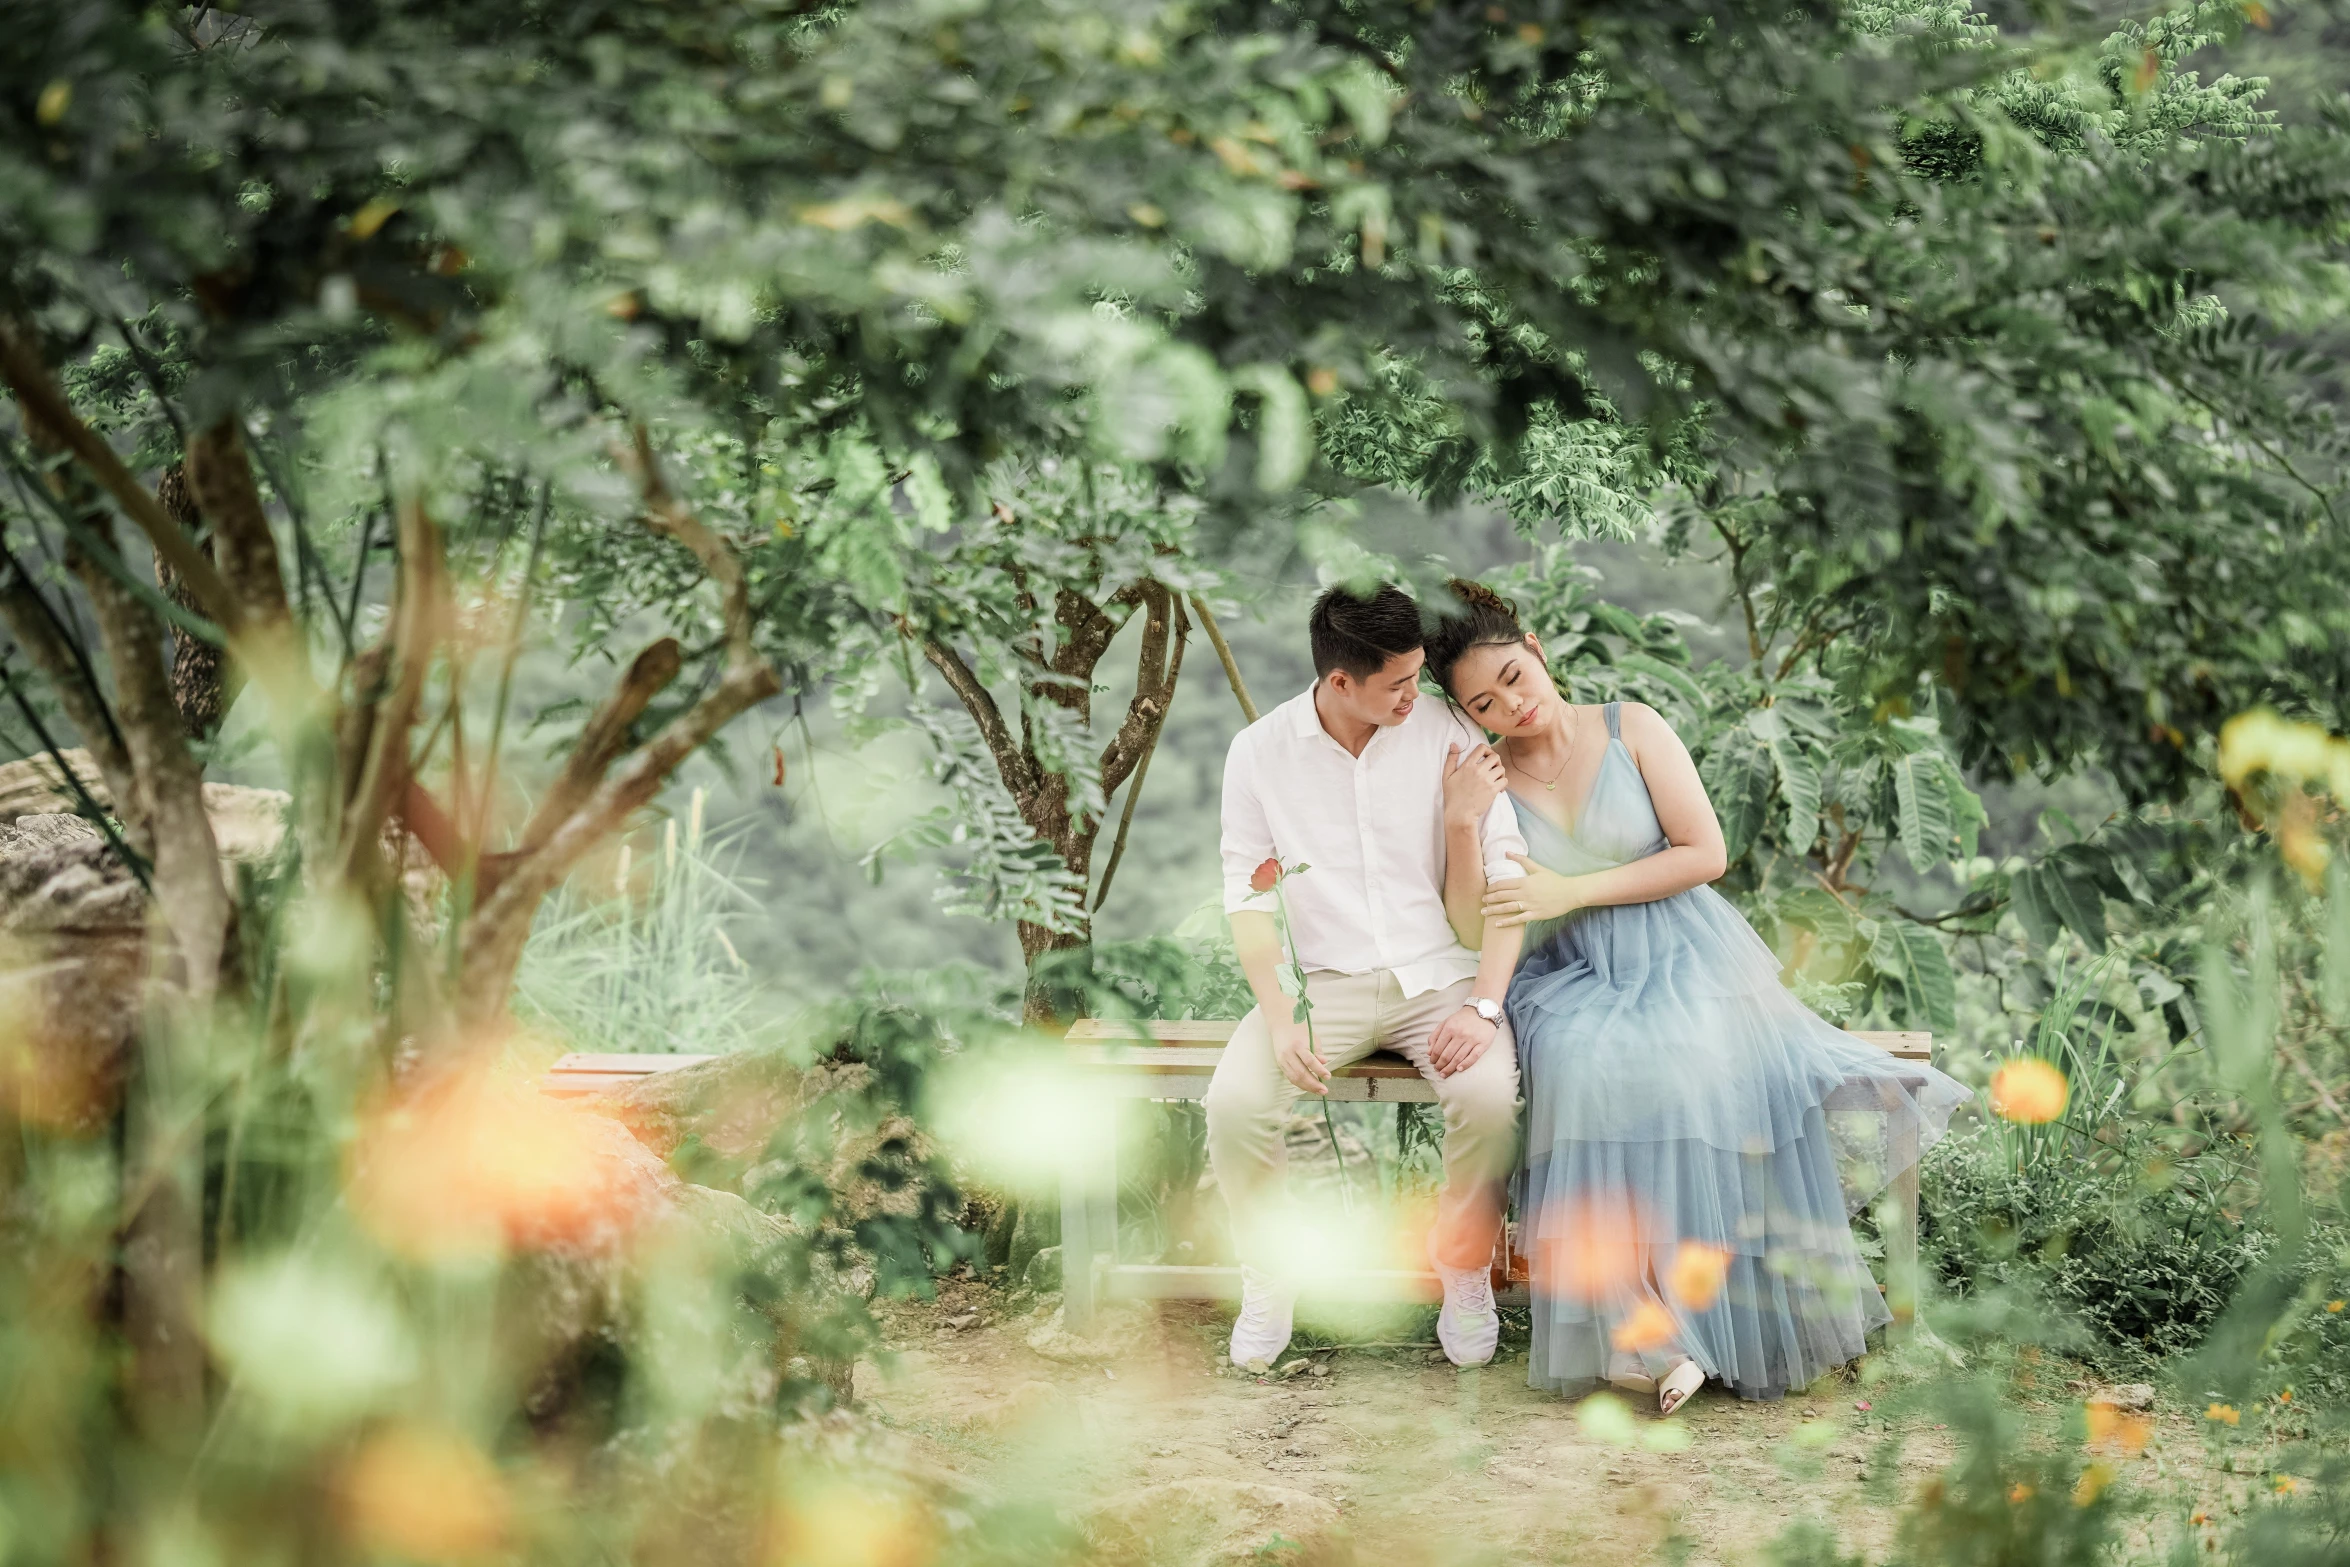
{"points": [[1485, 1007]]}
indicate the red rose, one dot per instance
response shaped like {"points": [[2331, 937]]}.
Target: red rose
{"points": [[1264, 877]]}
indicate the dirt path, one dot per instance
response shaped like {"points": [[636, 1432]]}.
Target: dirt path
{"points": [[1393, 1455]]}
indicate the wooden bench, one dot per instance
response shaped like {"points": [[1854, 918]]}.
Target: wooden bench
{"points": [[1177, 1060]]}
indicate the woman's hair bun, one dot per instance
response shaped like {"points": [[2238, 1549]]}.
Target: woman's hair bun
{"points": [[1477, 595], [1484, 619]]}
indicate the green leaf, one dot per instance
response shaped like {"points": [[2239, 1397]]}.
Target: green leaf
{"points": [[1675, 680], [1968, 817], [1921, 796], [1285, 433], [1799, 778], [1368, 98], [1737, 776], [2060, 893], [1912, 955]]}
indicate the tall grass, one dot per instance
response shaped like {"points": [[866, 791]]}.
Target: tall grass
{"points": [[650, 968]]}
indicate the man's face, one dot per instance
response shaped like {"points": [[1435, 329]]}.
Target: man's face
{"points": [[1384, 698]]}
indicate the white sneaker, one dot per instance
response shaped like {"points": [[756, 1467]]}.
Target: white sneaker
{"points": [[1268, 1308], [1469, 1326]]}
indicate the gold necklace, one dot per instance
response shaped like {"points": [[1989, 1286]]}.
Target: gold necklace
{"points": [[1551, 783]]}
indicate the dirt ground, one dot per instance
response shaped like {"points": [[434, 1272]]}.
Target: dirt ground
{"points": [[1167, 1455]]}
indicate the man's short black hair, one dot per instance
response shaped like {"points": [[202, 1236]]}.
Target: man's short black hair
{"points": [[1359, 635]]}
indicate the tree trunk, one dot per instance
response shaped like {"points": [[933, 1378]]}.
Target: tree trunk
{"points": [[203, 685], [1060, 962]]}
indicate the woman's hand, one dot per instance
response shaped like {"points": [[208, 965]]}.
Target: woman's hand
{"points": [[1471, 784], [1541, 894]]}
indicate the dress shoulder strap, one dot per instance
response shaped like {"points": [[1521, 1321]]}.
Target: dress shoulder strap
{"points": [[1614, 712]]}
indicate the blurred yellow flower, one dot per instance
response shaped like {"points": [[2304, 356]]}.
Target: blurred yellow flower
{"points": [[424, 1495], [2019, 1493], [1696, 1275], [2286, 1485], [2029, 1090], [2225, 1414], [2336, 1306], [2261, 741], [846, 1525], [2092, 1484]]}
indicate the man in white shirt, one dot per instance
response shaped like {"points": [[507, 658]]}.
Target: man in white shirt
{"points": [[1348, 780]]}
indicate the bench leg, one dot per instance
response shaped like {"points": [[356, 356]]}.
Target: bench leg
{"points": [[1077, 1247], [1900, 1229], [1089, 1225]]}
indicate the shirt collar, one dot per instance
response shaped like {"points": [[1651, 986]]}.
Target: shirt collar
{"points": [[1304, 722]]}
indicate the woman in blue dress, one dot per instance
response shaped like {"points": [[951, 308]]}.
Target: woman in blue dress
{"points": [[1681, 1197]]}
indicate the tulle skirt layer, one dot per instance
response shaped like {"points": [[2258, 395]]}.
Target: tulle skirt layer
{"points": [[1696, 1142]]}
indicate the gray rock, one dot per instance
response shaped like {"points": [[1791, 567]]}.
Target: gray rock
{"points": [[2130, 1397], [1044, 1271]]}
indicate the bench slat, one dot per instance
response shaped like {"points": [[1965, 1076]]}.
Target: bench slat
{"points": [[1183, 1048], [1902, 1044], [638, 1065]]}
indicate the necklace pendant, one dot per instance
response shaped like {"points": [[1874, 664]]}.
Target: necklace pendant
{"points": [[1552, 786]]}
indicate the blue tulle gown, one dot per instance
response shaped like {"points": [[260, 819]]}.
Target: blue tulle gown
{"points": [[1682, 1156]]}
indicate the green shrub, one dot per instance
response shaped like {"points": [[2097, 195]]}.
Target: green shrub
{"points": [[2142, 1249]]}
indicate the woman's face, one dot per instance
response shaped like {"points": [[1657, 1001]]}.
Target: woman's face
{"points": [[1506, 687]]}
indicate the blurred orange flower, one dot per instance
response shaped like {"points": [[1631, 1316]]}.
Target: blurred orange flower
{"points": [[1263, 877], [1588, 1248], [2018, 1494], [2092, 1483], [2118, 1429], [1649, 1326], [2225, 1414], [2029, 1090], [483, 1161], [424, 1495], [1697, 1274], [1413, 1219]]}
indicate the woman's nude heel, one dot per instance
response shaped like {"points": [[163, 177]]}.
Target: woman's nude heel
{"points": [[1678, 1386]]}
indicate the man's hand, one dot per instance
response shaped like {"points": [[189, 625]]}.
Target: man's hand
{"points": [[1460, 1040], [1293, 1048], [1471, 784]]}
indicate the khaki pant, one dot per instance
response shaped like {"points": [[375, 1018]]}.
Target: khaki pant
{"points": [[1355, 1014]]}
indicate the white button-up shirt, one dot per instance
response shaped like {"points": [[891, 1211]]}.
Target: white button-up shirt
{"points": [[1370, 830]]}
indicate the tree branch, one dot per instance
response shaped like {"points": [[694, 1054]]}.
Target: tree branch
{"points": [[603, 741], [1150, 745], [37, 630], [383, 766], [1156, 667], [495, 935], [168, 782], [203, 682], [1011, 756], [220, 477], [22, 366], [1248, 709], [1737, 548]]}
